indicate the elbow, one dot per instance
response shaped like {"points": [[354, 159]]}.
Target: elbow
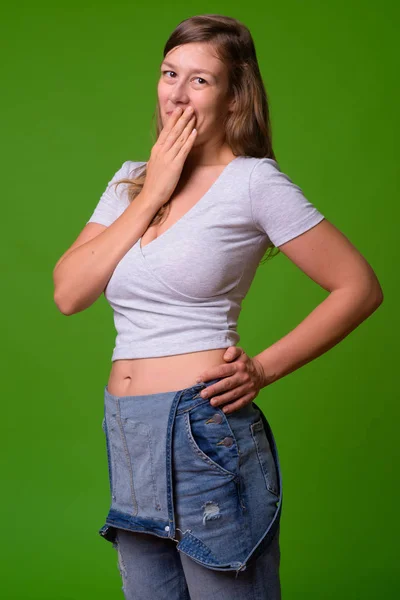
{"points": [[364, 298], [62, 298], [376, 292], [373, 298], [378, 296], [62, 305], [70, 306], [63, 309], [372, 291]]}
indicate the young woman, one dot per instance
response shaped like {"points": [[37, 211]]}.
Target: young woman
{"points": [[195, 481]]}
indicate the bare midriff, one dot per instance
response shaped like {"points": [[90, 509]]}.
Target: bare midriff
{"points": [[139, 376]]}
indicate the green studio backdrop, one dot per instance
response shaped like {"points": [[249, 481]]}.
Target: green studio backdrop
{"points": [[78, 95]]}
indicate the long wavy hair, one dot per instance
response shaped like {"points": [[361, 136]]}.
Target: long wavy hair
{"points": [[247, 127]]}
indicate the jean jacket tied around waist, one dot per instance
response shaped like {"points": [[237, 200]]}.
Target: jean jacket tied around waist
{"points": [[180, 467]]}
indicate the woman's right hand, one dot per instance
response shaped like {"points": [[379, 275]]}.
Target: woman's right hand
{"points": [[168, 155]]}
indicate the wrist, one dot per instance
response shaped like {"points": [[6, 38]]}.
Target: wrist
{"points": [[264, 369]]}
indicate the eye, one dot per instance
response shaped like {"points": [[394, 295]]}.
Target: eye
{"points": [[164, 72]]}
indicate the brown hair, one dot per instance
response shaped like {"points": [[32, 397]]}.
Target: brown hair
{"points": [[247, 127]]}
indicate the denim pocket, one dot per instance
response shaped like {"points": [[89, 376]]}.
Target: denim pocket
{"points": [[140, 447], [212, 439], [265, 456]]}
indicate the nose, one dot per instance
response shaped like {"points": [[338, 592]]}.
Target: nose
{"points": [[179, 96]]}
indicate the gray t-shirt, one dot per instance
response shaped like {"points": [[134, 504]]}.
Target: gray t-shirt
{"points": [[182, 292]]}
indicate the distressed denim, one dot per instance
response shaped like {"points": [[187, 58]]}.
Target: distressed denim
{"points": [[152, 568], [204, 484]]}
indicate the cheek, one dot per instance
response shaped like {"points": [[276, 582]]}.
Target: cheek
{"points": [[207, 122], [209, 115], [161, 91]]}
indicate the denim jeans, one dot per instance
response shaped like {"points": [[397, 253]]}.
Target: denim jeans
{"points": [[197, 487], [152, 568]]}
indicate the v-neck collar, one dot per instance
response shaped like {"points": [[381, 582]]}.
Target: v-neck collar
{"points": [[188, 212]]}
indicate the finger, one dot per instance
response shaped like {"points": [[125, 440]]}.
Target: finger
{"points": [[223, 372], [186, 140], [177, 135], [184, 151], [225, 391], [232, 352], [220, 371], [241, 403], [173, 118]]}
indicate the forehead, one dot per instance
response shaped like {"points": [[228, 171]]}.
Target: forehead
{"points": [[196, 56]]}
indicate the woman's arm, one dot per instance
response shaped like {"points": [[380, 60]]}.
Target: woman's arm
{"points": [[83, 271], [330, 259]]}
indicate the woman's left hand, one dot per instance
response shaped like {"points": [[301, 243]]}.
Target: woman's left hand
{"points": [[242, 380]]}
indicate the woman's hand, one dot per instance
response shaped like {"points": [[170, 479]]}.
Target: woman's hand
{"points": [[242, 380], [168, 155]]}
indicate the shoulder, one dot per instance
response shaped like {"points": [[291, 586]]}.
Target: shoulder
{"points": [[256, 170], [133, 168], [128, 169], [267, 176], [264, 168]]}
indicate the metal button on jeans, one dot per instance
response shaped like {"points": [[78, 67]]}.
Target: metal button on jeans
{"points": [[217, 418], [227, 441]]}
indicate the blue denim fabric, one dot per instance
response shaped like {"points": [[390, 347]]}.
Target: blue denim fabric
{"points": [[182, 469], [152, 568]]}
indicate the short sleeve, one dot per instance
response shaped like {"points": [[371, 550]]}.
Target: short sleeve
{"points": [[278, 205], [107, 208]]}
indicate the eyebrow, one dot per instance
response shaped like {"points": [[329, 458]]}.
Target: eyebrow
{"points": [[168, 64]]}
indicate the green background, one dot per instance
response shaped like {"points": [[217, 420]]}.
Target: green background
{"points": [[78, 95]]}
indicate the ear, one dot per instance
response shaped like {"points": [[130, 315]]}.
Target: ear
{"points": [[232, 104]]}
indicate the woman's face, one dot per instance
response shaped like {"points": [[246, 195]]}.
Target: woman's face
{"points": [[192, 76]]}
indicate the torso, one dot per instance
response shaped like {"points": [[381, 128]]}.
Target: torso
{"points": [[133, 377], [130, 377]]}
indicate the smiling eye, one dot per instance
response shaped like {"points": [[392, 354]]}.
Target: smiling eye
{"points": [[165, 72]]}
